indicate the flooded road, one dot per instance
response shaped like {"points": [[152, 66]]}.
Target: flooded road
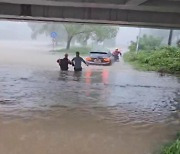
{"points": [[103, 110]]}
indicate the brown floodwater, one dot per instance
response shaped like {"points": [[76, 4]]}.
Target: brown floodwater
{"points": [[103, 110]]}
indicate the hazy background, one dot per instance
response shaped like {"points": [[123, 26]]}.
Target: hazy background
{"points": [[20, 31], [102, 110]]}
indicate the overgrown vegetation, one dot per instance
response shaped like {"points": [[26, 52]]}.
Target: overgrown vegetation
{"points": [[173, 148], [153, 57], [146, 43], [165, 59]]}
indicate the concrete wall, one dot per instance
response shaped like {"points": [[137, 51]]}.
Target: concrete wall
{"points": [[96, 12]]}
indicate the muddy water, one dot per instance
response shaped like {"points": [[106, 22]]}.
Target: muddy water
{"points": [[103, 110]]}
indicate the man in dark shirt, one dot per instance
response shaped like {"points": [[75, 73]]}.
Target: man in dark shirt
{"points": [[63, 63]]}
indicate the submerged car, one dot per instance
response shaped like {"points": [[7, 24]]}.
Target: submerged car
{"points": [[100, 58]]}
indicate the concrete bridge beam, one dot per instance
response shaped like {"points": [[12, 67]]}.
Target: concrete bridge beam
{"points": [[122, 12]]}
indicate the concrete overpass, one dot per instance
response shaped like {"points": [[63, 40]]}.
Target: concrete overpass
{"points": [[150, 13]]}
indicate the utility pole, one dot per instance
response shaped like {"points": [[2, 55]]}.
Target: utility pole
{"points": [[170, 37], [137, 45]]}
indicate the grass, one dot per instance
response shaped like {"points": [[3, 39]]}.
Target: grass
{"points": [[82, 50], [172, 148], [166, 59]]}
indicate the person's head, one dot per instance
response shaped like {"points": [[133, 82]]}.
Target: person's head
{"points": [[116, 49], [66, 55], [77, 54]]}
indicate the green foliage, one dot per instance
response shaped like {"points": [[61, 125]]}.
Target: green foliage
{"points": [[132, 47], [79, 32], [102, 33], [165, 59], [146, 43], [173, 148], [47, 28]]}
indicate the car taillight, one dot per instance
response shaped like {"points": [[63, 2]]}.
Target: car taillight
{"points": [[88, 59], [106, 59]]}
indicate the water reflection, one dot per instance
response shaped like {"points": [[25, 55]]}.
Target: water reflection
{"points": [[77, 76], [103, 110], [100, 107], [68, 75], [101, 76], [105, 76], [88, 76], [63, 75]]}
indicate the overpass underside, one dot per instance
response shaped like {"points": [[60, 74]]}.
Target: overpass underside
{"points": [[147, 13]]}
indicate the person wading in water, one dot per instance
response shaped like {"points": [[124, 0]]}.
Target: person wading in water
{"points": [[76, 62], [63, 63]]}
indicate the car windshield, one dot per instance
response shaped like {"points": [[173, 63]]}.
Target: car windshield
{"points": [[99, 54]]}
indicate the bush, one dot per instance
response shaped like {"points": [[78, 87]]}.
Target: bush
{"points": [[173, 148], [166, 59]]}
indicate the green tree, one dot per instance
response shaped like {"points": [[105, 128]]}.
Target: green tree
{"points": [[73, 30], [104, 32], [80, 32], [47, 28], [83, 38], [98, 33], [147, 42]]}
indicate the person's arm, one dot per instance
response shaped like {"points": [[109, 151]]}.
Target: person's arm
{"points": [[72, 62], [59, 61], [69, 62], [84, 62]]}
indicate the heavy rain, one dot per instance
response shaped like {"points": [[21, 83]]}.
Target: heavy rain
{"points": [[114, 109]]}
